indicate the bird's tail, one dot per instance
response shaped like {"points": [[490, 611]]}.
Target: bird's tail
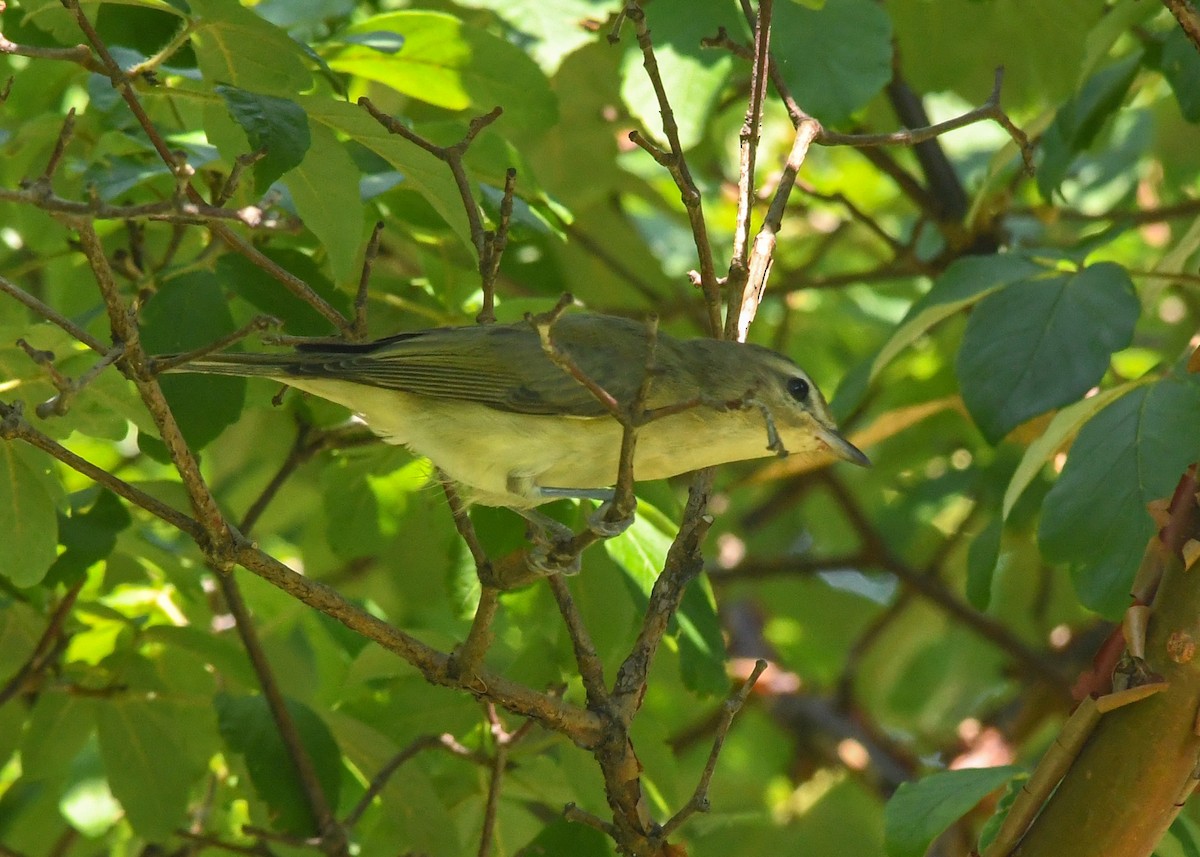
{"points": [[240, 365]]}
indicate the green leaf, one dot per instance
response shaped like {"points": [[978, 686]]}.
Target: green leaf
{"points": [[422, 172], [1065, 424], [58, 727], [1181, 68], [325, 190], [28, 517], [982, 556], [220, 652], [366, 495], [1182, 839], [268, 295], [918, 812], [188, 312], [565, 837], [702, 652], [1078, 121], [12, 721], [248, 728], [275, 124], [549, 31], [20, 629], [450, 64], [1043, 342], [235, 46], [965, 282], [87, 801], [692, 76], [839, 57], [641, 552], [150, 760], [89, 536], [1132, 452], [973, 37]]}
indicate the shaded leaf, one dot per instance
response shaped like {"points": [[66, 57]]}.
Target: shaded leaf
{"points": [[28, 517], [422, 172], [150, 761], [248, 728], [1078, 121], [89, 536], [1043, 342], [1181, 67], [837, 57], [188, 312], [325, 190], [965, 282], [919, 811], [1064, 426], [275, 124], [565, 837], [982, 556], [692, 76], [1131, 453]]}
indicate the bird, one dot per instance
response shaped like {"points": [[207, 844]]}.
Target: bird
{"points": [[516, 428]]}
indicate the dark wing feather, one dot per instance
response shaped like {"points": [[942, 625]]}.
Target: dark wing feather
{"points": [[501, 366]]}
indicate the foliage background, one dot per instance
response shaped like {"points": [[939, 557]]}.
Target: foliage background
{"points": [[932, 609]]}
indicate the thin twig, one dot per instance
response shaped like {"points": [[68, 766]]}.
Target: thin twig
{"points": [[591, 668], [684, 562], [258, 849], [990, 109], [738, 267], [729, 709], [358, 330], [543, 323], [466, 658], [333, 836], [494, 245], [240, 164], [121, 81], [158, 365], [573, 813], [52, 315], [68, 388], [164, 211], [379, 782], [677, 165], [14, 426], [60, 147], [451, 155], [499, 761], [79, 54], [759, 267], [218, 537], [46, 645], [1189, 20]]}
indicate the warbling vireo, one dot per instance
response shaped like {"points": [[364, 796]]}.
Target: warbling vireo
{"points": [[488, 406]]}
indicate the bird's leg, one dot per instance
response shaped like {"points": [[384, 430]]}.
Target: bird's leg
{"points": [[597, 521]]}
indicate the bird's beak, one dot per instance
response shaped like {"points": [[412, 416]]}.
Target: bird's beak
{"points": [[841, 447]]}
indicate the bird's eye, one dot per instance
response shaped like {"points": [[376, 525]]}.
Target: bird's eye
{"points": [[798, 388]]}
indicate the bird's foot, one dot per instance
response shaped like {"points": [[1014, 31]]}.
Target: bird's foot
{"points": [[548, 555], [599, 523]]}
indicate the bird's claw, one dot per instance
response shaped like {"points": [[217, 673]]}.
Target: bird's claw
{"points": [[543, 559], [599, 524]]}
